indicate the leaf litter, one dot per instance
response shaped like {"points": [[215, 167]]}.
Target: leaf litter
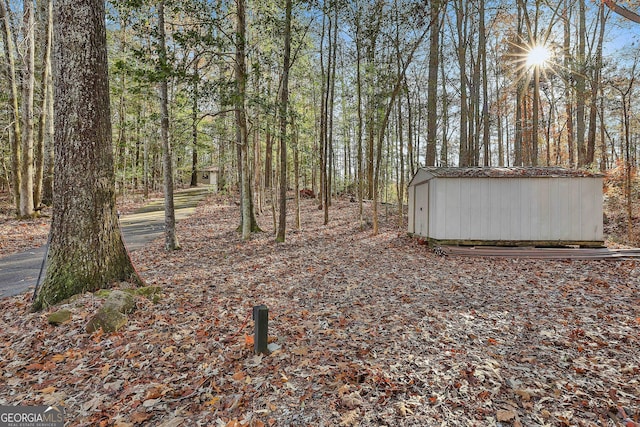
{"points": [[366, 330]]}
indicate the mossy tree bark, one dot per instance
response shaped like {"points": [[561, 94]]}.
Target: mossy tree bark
{"points": [[86, 250]]}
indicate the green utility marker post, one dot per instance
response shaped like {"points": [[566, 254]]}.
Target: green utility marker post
{"points": [[261, 320]]}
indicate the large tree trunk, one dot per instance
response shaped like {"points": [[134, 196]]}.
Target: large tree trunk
{"points": [[86, 250], [16, 137]]}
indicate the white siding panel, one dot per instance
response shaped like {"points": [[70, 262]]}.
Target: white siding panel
{"points": [[525, 213], [422, 209], [575, 209], [544, 207], [467, 223], [585, 208], [560, 208], [452, 209], [482, 214], [495, 200], [598, 210], [513, 198], [591, 190], [438, 212], [433, 211], [411, 211], [530, 209], [505, 190]]}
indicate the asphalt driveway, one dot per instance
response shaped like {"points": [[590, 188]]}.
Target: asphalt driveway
{"points": [[19, 272]]}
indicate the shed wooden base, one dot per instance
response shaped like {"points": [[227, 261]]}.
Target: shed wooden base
{"points": [[516, 243], [541, 253]]}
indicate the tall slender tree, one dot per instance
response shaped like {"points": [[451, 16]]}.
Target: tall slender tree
{"points": [[462, 23], [568, 90], [28, 88], [284, 112], [596, 85], [170, 238], [486, 117], [432, 88], [242, 137], [579, 76], [44, 117], [16, 134]]}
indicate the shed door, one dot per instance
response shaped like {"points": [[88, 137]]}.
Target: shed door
{"points": [[422, 210]]}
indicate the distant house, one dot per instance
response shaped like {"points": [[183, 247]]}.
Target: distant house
{"points": [[209, 176], [507, 206]]}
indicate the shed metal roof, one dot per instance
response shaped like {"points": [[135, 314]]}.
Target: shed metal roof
{"points": [[510, 172]]}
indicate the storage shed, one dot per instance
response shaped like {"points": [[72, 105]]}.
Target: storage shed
{"points": [[507, 206], [208, 176]]}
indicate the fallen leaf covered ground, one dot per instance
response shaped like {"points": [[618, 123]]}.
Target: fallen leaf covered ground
{"points": [[367, 330]]}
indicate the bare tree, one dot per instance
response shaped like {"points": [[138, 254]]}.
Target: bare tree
{"points": [[170, 239], [28, 84], [284, 112], [596, 86], [432, 88], [16, 136], [622, 11], [242, 139], [581, 80], [45, 116]]}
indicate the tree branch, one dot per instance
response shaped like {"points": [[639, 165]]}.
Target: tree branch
{"points": [[624, 12]]}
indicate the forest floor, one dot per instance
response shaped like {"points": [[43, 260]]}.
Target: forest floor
{"points": [[366, 330]]}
